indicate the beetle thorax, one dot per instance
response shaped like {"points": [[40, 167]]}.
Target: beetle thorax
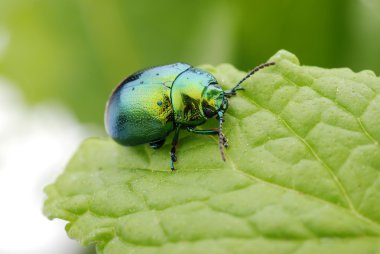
{"points": [[192, 92]]}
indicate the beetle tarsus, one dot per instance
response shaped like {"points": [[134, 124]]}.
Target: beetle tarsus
{"points": [[173, 157], [225, 140], [172, 165]]}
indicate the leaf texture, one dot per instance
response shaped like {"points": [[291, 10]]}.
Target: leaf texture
{"points": [[302, 174]]}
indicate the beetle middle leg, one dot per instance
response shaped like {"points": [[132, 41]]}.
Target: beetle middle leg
{"points": [[208, 132], [173, 157]]}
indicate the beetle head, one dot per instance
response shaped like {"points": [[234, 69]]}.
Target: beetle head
{"points": [[215, 103], [213, 100]]}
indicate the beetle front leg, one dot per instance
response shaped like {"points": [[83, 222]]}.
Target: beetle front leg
{"points": [[208, 132], [230, 93], [173, 157]]}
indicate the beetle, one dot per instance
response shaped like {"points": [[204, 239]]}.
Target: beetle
{"points": [[151, 103]]}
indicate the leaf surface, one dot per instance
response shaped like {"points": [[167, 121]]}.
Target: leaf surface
{"points": [[302, 174]]}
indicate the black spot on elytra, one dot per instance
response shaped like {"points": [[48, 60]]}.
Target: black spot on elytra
{"points": [[120, 121]]}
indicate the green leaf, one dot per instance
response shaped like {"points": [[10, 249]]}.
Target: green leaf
{"points": [[302, 174]]}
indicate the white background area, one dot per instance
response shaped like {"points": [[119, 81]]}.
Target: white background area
{"points": [[35, 144]]}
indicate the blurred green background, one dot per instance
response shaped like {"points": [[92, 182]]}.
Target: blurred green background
{"points": [[76, 51]]}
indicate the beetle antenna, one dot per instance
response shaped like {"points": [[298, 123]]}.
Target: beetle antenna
{"points": [[253, 71], [221, 136]]}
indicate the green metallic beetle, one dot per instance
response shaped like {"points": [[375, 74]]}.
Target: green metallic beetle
{"points": [[151, 103]]}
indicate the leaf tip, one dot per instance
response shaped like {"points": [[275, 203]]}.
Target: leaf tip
{"points": [[282, 55]]}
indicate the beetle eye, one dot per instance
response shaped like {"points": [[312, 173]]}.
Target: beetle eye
{"points": [[208, 112]]}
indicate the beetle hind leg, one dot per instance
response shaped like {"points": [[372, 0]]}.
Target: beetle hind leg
{"points": [[173, 156], [157, 144]]}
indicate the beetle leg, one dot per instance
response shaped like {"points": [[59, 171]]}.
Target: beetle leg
{"points": [[225, 140], [202, 132], [208, 132], [157, 144], [230, 93], [173, 157]]}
